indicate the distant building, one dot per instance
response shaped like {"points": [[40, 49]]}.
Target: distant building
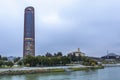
{"points": [[77, 53], [29, 32], [111, 56], [11, 58]]}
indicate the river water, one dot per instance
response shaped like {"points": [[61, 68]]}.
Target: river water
{"points": [[110, 73]]}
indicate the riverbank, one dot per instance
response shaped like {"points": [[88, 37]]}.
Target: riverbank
{"points": [[33, 70], [108, 73], [111, 65]]}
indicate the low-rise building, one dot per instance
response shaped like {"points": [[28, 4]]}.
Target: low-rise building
{"points": [[11, 58], [111, 56], [77, 53]]}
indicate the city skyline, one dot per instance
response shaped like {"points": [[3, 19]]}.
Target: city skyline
{"points": [[64, 25]]}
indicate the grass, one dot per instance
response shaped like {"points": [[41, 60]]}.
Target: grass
{"points": [[78, 69], [57, 70], [86, 68]]}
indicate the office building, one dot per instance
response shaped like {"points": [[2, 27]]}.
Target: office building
{"points": [[29, 32]]}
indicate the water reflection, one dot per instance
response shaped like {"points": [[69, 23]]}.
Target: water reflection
{"points": [[50, 76], [18, 77]]}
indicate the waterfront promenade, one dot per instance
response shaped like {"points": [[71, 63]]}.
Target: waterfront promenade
{"points": [[40, 68], [111, 65], [32, 70]]}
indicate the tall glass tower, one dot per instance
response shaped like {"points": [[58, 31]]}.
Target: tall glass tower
{"points": [[29, 32]]}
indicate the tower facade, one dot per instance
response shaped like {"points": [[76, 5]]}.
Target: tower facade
{"points": [[29, 32]]}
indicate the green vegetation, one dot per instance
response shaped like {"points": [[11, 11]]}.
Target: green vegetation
{"points": [[88, 62], [57, 70], [45, 61], [86, 68], [48, 60], [84, 60], [4, 63], [78, 69], [56, 60], [16, 59]]}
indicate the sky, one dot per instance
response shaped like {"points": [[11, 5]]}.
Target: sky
{"points": [[62, 26]]}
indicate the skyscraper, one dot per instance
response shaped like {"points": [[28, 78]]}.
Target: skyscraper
{"points": [[29, 32]]}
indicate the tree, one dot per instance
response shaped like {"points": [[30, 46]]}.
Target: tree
{"points": [[9, 63], [65, 60], [16, 59], [20, 63], [48, 54], [45, 60], [55, 54], [0, 57], [1, 63], [59, 54], [30, 60], [4, 58]]}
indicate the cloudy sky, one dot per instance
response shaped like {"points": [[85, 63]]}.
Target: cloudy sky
{"points": [[62, 25]]}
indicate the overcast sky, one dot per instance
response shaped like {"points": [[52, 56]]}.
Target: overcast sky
{"points": [[62, 25]]}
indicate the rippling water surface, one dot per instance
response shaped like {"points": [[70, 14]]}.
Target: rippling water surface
{"points": [[111, 73]]}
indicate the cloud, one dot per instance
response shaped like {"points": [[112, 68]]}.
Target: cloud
{"points": [[52, 18], [62, 25]]}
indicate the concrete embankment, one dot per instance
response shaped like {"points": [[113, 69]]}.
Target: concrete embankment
{"points": [[33, 70], [111, 65]]}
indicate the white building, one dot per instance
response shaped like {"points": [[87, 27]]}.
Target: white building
{"points": [[77, 53]]}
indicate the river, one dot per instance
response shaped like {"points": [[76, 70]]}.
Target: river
{"points": [[109, 73]]}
